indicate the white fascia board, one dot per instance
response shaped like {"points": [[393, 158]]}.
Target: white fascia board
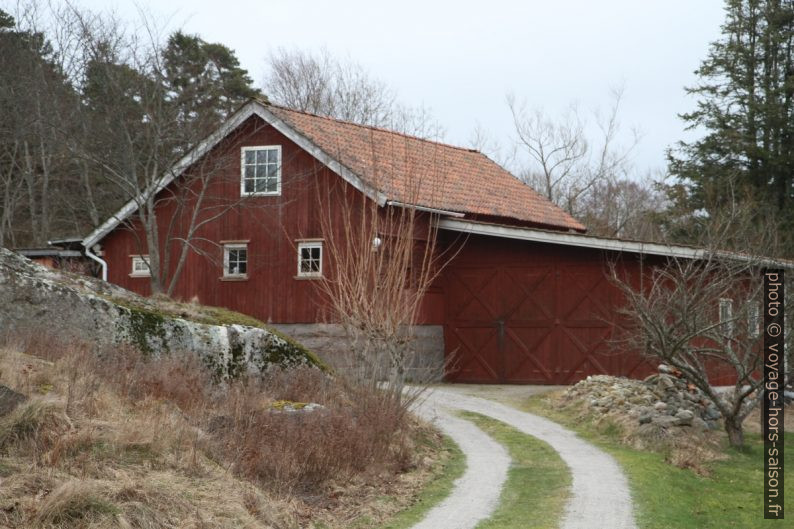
{"points": [[197, 152], [598, 243], [569, 239], [248, 110], [329, 161], [399, 204]]}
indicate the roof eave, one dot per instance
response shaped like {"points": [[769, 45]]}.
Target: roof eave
{"points": [[590, 241]]}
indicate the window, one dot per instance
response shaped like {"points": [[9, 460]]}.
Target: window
{"points": [[140, 266], [753, 319], [261, 171], [310, 259], [235, 260], [726, 316]]}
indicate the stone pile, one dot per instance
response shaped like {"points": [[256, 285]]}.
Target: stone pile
{"points": [[664, 399]]}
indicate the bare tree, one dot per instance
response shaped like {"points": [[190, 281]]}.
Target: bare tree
{"points": [[624, 207], [564, 165], [704, 314], [136, 138], [382, 261], [322, 84], [36, 99], [481, 140]]}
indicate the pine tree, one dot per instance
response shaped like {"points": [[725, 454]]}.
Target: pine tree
{"points": [[746, 111], [204, 80]]}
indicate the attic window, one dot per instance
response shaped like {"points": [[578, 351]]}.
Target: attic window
{"points": [[260, 170], [140, 266]]}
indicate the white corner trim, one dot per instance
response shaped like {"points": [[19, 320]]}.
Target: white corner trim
{"points": [[589, 241]]}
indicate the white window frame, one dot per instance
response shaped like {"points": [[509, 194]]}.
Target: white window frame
{"points": [[754, 320], [726, 316], [235, 246], [243, 192], [140, 259], [310, 245]]}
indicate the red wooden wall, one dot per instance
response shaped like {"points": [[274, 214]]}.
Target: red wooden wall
{"points": [[513, 311], [272, 225], [523, 312]]}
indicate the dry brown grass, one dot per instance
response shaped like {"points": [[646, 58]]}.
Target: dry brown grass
{"points": [[125, 441]]}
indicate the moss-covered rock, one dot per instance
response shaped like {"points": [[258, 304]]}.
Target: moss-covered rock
{"points": [[37, 299]]}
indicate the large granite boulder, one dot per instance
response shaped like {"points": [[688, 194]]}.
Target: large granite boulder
{"points": [[34, 298]]}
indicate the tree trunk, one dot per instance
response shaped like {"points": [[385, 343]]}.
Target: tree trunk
{"points": [[735, 433]]}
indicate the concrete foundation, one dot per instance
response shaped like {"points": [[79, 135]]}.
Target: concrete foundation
{"points": [[329, 341]]}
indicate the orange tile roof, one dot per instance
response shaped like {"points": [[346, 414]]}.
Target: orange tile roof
{"points": [[427, 173]]}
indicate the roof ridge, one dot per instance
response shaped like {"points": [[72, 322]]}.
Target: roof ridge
{"points": [[373, 127]]}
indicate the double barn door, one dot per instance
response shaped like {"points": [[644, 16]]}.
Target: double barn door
{"points": [[542, 323]]}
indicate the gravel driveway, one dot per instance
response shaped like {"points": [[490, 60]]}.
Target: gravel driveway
{"points": [[600, 495]]}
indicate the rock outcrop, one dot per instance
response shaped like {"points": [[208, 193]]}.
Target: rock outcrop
{"points": [[72, 307]]}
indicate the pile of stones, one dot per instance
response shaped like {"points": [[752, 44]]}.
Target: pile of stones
{"points": [[663, 399]]}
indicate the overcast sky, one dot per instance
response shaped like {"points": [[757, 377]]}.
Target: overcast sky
{"points": [[460, 58]]}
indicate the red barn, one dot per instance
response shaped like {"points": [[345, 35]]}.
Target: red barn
{"points": [[526, 299]]}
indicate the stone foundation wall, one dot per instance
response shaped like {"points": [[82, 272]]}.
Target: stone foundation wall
{"points": [[328, 340]]}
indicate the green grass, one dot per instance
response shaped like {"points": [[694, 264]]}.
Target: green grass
{"points": [[667, 497], [448, 470], [538, 481]]}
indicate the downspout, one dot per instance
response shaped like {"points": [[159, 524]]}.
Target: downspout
{"points": [[102, 262]]}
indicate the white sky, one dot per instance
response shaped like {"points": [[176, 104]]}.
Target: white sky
{"points": [[460, 58]]}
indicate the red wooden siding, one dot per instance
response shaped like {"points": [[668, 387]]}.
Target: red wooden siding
{"points": [[521, 312], [270, 224], [513, 311]]}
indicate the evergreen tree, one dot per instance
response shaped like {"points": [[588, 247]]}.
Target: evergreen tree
{"points": [[204, 80], [746, 111]]}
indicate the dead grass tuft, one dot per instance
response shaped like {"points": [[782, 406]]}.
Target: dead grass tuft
{"points": [[33, 427], [124, 440], [74, 503]]}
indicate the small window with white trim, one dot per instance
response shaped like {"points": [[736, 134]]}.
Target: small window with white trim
{"points": [[140, 266], [235, 260], [310, 259], [753, 319], [260, 170], [726, 316]]}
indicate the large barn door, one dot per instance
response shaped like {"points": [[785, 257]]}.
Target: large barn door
{"points": [[499, 324], [472, 334], [542, 324]]}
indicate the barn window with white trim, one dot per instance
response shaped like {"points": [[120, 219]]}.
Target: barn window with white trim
{"points": [[310, 259], [235, 260], [261, 170]]}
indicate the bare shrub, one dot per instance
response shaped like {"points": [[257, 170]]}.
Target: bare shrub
{"points": [[357, 430], [168, 411]]}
